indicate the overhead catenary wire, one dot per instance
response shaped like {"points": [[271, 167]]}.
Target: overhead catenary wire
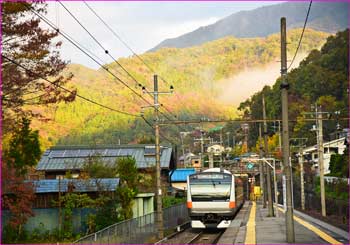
{"points": [[301, 36], [162, 135], [65, 89]]}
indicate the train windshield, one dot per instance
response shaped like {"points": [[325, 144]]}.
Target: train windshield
{"points": [[210, 187]]}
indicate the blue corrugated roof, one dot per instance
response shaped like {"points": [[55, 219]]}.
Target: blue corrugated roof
{"points": [[80, 185], [69, 158], [180, 174]]}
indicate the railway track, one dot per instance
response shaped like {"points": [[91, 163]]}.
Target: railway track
{"points": [[207, 237], [194, 236]]}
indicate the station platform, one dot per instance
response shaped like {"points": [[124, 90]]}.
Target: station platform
{"points": [[252, 226]]}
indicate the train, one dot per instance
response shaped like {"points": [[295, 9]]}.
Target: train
{"points": [[214, 196]]}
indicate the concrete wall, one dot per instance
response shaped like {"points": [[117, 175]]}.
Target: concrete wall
{"points": [[143, 204]]}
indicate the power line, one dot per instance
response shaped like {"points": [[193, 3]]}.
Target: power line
{"points": [[86, 53], [163, 136], [122, 41], [242, 121], [130, 49], [105, 50], [67, 90], [77, 45], [301, 36]]}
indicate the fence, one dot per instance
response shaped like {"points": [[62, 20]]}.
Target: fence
{"points": [[138, 230], [336, 207]]}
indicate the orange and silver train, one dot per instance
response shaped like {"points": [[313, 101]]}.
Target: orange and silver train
{"points": [[214, 196]]}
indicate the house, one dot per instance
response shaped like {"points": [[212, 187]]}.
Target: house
{"points": [[48, 212], [48, 190], [57, 161], [190, 160], [185, 159], [336, 146], [216, 149], [178, 178]]}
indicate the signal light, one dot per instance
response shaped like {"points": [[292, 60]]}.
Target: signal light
{"points": [[189, 204]]}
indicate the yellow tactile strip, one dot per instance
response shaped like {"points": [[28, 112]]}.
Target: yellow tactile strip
{"points": [[320, 233], [250, 234]]}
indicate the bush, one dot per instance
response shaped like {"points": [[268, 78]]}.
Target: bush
{"points": [[168, 201]]}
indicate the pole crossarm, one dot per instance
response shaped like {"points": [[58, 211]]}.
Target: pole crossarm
{"points": [[260, 160]]}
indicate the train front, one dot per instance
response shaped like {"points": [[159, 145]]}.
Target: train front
{"points": [[211, 198]]}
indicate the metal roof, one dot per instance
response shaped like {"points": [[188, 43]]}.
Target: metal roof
{"points": [[80, 185], [180, 174], [71, 158]]}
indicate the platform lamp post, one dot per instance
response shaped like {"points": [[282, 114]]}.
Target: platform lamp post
{"points": [[290, 235]]}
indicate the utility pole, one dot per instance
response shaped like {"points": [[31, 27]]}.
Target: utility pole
{"points": [[320, 159], [158, 180], [267, 169], [261, 169], [319, 132], [201, 139], [302, 179], [285, 135], [157, 146], [301, 145]]}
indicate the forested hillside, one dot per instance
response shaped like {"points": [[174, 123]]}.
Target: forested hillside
{"points": [[321, 78], [199, 75], [263, 21]]}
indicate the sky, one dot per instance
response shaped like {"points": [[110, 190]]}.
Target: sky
{"points": [[142, 25]]}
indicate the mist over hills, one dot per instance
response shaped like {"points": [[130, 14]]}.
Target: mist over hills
{"points": [[210, 81], [324, 16]]}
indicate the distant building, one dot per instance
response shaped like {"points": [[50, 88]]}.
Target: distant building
{"points": [[178, 178], [190, 160], [216, 149], [336, 146], [57, 161]]}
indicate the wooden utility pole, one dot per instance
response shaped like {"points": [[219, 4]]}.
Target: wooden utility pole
{"points": [[267, 168], [290, 235], [156, 105], [158, 168], [321, 159]]}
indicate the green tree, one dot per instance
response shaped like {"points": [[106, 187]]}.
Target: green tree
{"points": [[339, 164], [106, 203], [70, 201], [128, 177], [96, 168], [24, 150]]}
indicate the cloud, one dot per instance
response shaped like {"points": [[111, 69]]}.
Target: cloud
{"points": [[142, 25]]}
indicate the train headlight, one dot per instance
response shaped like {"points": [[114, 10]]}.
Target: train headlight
{"points": [[189, 204]]}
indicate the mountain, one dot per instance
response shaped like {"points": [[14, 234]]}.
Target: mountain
{"points": [[261, 22], [199, 74]]}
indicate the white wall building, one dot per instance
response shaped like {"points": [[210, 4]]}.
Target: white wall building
{"points": [[330, 148]]}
